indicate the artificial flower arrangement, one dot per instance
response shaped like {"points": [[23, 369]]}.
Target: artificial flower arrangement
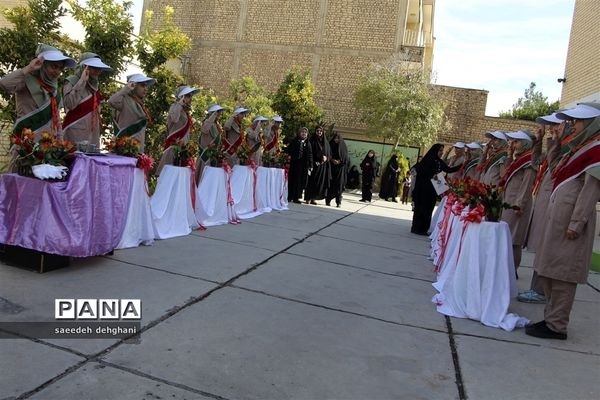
{"points": [[184, 153], [130, 147], [282, 159], [243, 153], [215, 154], [475, 194], [49, 150]]}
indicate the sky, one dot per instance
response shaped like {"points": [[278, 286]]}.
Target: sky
{"points": [[501, 46], [496, 45]]}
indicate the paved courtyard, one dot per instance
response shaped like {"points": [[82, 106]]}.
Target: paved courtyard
{"points": [[314, 303]]}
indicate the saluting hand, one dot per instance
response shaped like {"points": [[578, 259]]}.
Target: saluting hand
{"points": [[85, 75], [34, 65]]}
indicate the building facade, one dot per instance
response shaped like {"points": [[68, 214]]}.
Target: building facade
{"points": [[582, 78], [336, 40]]}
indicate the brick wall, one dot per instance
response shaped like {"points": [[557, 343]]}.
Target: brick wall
{"points": [[583, 58], [336, 39], [465, 110], [9, 4]]}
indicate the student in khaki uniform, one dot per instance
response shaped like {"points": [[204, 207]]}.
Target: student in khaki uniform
{"points": [[234, 135], [254, 139], [517, 182], [458, 158], [83, 100], [542, 188], [179, 124], [131, 115], [563, 259], [211, 133], [492, 163], [35, 87], [472, 158]]}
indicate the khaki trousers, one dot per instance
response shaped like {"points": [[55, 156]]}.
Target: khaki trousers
{"points": [[560, 296]]}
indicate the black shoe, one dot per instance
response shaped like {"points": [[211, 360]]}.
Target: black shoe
{"points": [[338, 205], [296, 201], [314, 203], [328, 204], [394, 201], [541, 330], [363, 200]]}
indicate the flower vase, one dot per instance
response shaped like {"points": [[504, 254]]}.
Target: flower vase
{"points": [[492, 215], [25, 170]]}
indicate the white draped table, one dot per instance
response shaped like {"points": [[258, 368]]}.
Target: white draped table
{"points": [[244, 190], [139, 228], [212, 206], [480, 284], [272, 189], [172, 210]]}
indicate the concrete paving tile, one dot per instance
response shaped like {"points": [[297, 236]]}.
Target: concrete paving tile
{"points": [[271, 238], [365, 256], [497, 370], [25, 365], [94, 278], [390, 241], [401, 300], [196, 256], [246, 345], [583, 327], [95, 381], [584, 292]]}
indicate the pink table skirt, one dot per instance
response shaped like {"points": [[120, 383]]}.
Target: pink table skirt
{"points": [[82, 217]]}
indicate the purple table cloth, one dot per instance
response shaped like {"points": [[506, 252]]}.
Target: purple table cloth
{"points": [[82, 217]]}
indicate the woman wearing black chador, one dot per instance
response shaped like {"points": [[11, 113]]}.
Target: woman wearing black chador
{"points": [[339, 169], [300, 163], [424, 195], [370, 169], [389, 180], [318, 181]]}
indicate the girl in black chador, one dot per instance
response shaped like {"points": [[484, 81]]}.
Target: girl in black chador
{"points": [[370, 169], [424, 195], [339, 168], [300, 163], [318, 181], [389, 180]]}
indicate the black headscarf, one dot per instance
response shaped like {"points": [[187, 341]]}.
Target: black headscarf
{"points": [[431, 163], [339, 151]]}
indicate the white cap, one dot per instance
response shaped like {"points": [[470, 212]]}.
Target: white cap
{"points": [[55, 55], [141, 78], [459, 145], [214, 108], [277, 118], [496, 135], [95, 62], [240, 110], [474, 145], [581, 111], [183, 90], [548, 119], [519, 135], [260, 118]]}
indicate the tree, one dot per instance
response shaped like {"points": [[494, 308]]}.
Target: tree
{"points": [[38, 22], [395, 102], [295, 102], [532, 105], [246, 92], [109, 31], [154, 50]]}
